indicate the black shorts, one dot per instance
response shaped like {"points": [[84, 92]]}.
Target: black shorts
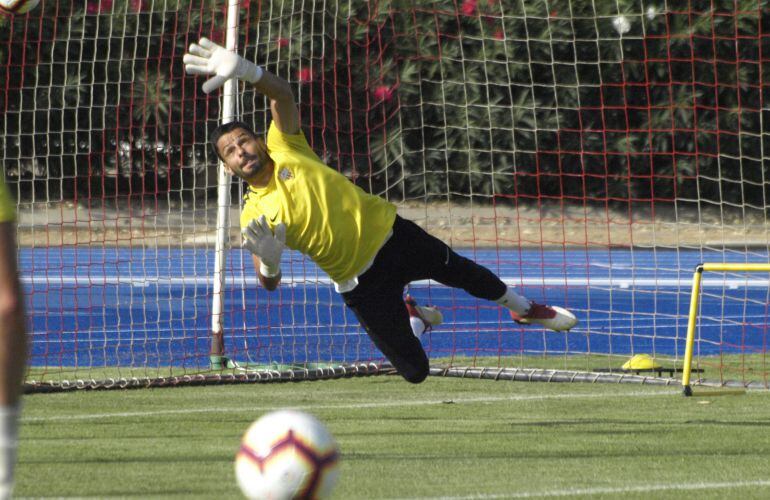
{"points": [[411, 254]]}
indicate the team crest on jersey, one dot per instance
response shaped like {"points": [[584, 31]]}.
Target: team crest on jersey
{"points": [[285, 174]]}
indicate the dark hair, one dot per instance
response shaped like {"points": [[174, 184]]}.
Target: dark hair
{"points": [[225, 128]]}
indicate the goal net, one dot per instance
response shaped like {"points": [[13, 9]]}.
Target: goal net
{"points": [[590, 153]]}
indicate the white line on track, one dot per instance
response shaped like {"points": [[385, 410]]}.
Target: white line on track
{"points": [[614, 282], [381, 404], [645, 488]]}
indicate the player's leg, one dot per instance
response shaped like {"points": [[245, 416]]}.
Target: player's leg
{"points": [[378, 304], [13, 354], [429, 257]]}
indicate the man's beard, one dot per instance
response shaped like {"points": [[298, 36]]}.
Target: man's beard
{"points": [[262, 159]]}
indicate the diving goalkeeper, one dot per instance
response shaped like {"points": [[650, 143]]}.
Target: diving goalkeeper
{"points": [[294, 200]]}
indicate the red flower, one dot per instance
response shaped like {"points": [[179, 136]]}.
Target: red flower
{"points": [[282, 42], [98, 6], [469, 7], [305, 75], [383, 93], [499, 35], [137, 5]]}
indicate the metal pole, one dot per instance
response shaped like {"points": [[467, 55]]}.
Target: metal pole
{"points": [[229, 101], [691, 324]]}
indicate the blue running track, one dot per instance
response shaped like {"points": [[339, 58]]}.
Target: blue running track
{"points": [[142, 307]]}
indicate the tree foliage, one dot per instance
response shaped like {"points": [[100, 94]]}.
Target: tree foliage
{"points": [[441, 99]]}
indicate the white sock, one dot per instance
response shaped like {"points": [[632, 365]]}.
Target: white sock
{"points": [[418, 326], [514, 302], [9, 418]]}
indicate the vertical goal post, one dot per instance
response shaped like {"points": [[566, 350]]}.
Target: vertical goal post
{"points": [[224, 181], [692, 319]]}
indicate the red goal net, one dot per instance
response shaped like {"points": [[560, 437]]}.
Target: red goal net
{"points": [[590, 153]]}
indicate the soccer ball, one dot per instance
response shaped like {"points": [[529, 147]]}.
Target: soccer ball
{"points": [[17, 6], [287, 454]]}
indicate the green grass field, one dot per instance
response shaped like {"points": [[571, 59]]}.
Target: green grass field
{"points": [[445, 438]]}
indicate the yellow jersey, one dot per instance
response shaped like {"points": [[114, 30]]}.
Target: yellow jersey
{"points": [[328, 218], [7, 206]]}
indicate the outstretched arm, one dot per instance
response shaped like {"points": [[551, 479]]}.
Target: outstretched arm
{"points": [[269, 283], [266, 248], [282, 104], [209, 58]]}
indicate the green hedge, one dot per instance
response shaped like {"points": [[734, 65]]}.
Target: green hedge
{"points": [[443, 99]]}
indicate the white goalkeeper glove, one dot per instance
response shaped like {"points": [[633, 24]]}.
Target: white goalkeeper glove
{"points": [[208, 58], [260, 240]]}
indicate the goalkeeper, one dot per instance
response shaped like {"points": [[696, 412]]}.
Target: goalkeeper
{"points": [[13, 342], [294, 200]]}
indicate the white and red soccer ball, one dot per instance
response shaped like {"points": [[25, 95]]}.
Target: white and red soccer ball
{"points": [[17, 6], [286, 455]]}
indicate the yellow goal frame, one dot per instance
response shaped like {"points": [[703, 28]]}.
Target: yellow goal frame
{"points": [[695, 301]]}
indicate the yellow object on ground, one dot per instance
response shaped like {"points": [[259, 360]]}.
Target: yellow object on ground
{"points": [[641, 362]]}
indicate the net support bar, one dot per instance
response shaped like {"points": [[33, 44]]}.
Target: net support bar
{"points": [[692, 319], [217, 357]]}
